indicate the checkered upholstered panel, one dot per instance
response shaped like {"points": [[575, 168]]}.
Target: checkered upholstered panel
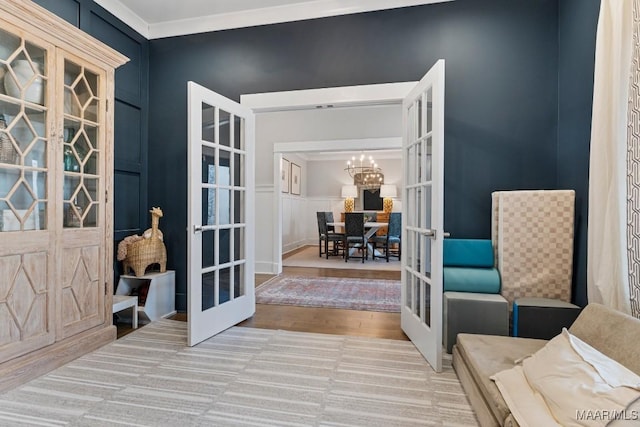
{"points": [[532, 233]]}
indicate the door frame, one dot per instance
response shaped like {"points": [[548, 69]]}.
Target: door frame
{"points": [[345, 96]]}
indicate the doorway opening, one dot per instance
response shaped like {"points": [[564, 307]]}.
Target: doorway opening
{"points": [[289, 137]]}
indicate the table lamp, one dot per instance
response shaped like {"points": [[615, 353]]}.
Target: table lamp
{"points": [[349, 192], [387, 192]]}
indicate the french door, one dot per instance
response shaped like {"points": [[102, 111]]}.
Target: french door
{"points": [[423, 184], [221, 213]]}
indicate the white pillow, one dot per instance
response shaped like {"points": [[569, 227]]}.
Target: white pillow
{"points": [[580, 385]]}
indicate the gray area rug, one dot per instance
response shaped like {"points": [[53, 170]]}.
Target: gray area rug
{"points": [[331, 292], [242, 377]]}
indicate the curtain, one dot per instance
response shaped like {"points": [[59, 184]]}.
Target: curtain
{"points": [[613, 259]]}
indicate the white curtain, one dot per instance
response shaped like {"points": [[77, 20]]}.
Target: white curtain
{"points": [[613, 260]]}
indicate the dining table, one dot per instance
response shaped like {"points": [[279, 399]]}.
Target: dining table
{"points": [[371, 227]]}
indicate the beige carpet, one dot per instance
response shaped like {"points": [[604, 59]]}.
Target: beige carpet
{"points": [[242, 377], [308, 257]]}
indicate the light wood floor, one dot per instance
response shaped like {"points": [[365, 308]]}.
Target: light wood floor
{"points": [[320, 320]]}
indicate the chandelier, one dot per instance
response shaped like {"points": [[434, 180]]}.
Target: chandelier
{"points": [[365, 173]]}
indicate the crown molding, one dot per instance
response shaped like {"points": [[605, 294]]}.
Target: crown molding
{"points": [[310, 9]]}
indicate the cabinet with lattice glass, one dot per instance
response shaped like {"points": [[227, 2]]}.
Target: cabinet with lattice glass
{"points": [[56, 131]]}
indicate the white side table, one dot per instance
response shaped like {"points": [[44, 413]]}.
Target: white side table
{"points": [[161, 298], [122, 302]]}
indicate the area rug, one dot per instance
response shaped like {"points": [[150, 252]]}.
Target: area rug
{"points": [[331, 292], [242, 377]]}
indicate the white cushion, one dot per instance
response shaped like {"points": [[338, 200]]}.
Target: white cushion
{"points": [[564, 383]]}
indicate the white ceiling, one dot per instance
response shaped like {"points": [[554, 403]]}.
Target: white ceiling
{"points": [[165, 18]]}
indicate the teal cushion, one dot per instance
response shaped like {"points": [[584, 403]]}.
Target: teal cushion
{"points": [[463, 279], [467, 253]]}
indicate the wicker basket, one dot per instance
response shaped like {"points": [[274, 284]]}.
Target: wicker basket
{"points": [[71, 219], [8, 153]]}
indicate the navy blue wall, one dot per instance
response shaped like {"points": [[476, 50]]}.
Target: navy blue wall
{"points": [[501, 93], [578, 21], [518, 97], [131, 111]]}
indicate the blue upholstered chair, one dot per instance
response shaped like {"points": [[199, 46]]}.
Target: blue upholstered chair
{"points": [[469, 267], [391, 239], [471, 301]]}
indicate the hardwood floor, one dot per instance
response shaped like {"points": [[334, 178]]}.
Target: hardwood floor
{"points": [[320, 320]]}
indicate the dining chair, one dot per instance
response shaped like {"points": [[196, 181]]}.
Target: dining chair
{"points": [[329, 218], [392, 238], [322, 231], [354, 235], [326, 236], [332, 236]]}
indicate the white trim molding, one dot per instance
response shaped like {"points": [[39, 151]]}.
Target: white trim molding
{"points": [[203, 22], [364, 144], [343, 96]]}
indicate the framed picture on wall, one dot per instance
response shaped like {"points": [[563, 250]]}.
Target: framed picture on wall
{"points": [[295, 179], [284, 175]]}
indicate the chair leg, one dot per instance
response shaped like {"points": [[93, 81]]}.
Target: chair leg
{"points": [[365, 250], [320, 248]]}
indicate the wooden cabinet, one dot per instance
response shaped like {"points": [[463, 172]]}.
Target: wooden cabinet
{"points": [[56, 162], [382, 217]]}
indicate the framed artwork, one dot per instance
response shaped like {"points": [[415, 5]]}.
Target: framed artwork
{"points": [[284, 175], [295, 179]]}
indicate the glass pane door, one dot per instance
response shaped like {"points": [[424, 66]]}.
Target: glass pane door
{"points": [[423, 159], [220, 282]]}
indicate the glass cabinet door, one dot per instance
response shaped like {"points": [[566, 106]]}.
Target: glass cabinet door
{"points": [[81, 146], [80, 195], [27, 279], [24, 169]]}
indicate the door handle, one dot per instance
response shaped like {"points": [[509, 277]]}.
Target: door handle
{"points": [[197, 229], [430, 233]]}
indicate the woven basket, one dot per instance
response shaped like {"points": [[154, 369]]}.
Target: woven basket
{"points": [[144, 253], [70, 219], [8, 153]]}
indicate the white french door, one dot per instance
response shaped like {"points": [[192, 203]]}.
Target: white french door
{"points": [[423, 202], [221, 213]]}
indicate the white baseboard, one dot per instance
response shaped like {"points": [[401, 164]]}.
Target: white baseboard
{"points": [[266, 267]]}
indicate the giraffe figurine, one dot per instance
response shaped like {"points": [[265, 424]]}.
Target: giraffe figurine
{"points": [[143, 253]]}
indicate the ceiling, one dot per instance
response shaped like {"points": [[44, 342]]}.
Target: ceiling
{"points": [[157, 19]]}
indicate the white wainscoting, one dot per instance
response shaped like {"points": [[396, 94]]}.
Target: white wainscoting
{"points": [[265, 244], [299, 225], [294, 222], [299, 221]]}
